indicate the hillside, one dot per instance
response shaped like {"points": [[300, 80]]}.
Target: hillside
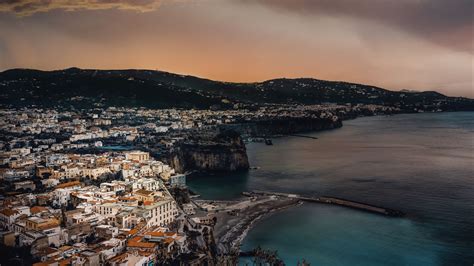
{"points": [[157, 89]]}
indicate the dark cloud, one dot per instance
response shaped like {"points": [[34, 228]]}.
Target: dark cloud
{"points": [[29, 7], [445, 22]]}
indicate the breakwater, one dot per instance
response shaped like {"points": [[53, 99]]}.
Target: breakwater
{"points": [[335, 201], [303, 136]]}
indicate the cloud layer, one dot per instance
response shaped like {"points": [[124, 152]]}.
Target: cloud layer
{"points": [[29, 7], [445, 22], [392, 44]]}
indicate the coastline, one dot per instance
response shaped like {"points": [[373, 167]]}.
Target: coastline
{"points": [[229, 241], [236, 244], [238, 238], [307, 133]]}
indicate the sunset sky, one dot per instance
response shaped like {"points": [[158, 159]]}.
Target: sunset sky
{"points": [[403, 44]]}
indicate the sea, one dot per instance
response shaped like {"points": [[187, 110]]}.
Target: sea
{"points": [[421, 164]]}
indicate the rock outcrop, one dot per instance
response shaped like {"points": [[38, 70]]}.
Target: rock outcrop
{"points": [[219, 151], [223, 150], [285, 126]]}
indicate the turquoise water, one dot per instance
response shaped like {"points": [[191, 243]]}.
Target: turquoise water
{"points": [[327, 235], [228, 186], [421, 164]]}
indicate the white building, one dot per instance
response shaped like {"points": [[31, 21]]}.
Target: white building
{"points": [[137, 156]]}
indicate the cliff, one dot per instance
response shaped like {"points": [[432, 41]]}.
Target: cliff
{"points": [[218, 151], [223, 150], [285, 126]]}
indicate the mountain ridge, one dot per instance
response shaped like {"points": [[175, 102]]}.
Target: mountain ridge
{"points": [[75, 69], [161, 89]]}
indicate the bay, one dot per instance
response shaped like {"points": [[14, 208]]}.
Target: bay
{"points": [[421, 164]]}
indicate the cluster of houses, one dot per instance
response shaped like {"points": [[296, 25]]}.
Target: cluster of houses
{"points": [[125, 221]]}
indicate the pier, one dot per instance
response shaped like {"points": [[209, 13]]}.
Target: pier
{"points": [[302, 136], [334, 201]]}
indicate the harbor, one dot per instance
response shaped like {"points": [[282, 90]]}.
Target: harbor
{"points": [[335, 201], [232, 219], [348, 169]]}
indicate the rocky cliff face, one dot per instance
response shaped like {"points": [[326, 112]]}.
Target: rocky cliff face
{"points": [[285, 126], [217, 152], [223, 150]]}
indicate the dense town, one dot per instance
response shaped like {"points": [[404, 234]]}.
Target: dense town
{"points": [[82, 188]]}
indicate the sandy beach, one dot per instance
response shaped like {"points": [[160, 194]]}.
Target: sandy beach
{"points": [[232, 226]]}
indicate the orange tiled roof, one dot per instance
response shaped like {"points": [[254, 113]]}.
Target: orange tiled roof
{"points": [[41, 264], [127, 198], [37, 209], [68, 184], [47, 226], [133, 231], [145, 253], [47, 251], [65, 247], [136, 242], [8, 212], [64, 262], [156, 234], [119, 257], [144, 192]]}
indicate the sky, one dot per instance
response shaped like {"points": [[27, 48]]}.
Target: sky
{"points": [[404, 44]]}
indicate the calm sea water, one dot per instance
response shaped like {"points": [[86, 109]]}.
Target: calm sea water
{"points": [[422, 164]]}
